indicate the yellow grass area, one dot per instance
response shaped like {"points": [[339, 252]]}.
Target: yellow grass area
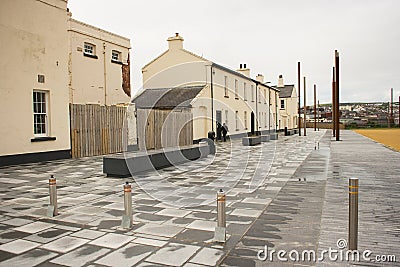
{"points": [[388, 137]]}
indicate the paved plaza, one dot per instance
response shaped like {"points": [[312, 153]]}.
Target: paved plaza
{"points": [[289, 194]]}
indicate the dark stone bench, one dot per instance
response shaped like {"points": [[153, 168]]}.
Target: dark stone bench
{"points": [[126, 164], [251, 140], [273, 136], [265, 138]]}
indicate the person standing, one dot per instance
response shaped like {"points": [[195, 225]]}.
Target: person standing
{"points": [[224, 131], [219, 130]]}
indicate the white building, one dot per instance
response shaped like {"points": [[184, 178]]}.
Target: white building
{"points": [[288, 105], [244, 104], [44, 67]]}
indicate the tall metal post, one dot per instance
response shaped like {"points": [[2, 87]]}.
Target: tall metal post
{"points": [[53, 207], [391, 107], [127, 217], [315, 107], [333, 103], [337, 96], [305, 108], [318, 115], [353, 213], [299, 103], [220, 230]]}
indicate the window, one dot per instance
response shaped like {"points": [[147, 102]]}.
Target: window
{"points": [[252, 93], [245, 120], [226, 117], [89, 49], [265, 96], [282, 103], [115, 56], [259, 95], [226, 86], [265, 119], [236, 89], [40, 118], [244, 92], [237, 120]]}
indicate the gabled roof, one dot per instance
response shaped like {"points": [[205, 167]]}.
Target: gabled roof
{"points": [[167, 98], [285, 91]]}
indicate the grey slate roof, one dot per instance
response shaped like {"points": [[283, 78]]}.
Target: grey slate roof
{"points": [[167, 98], [285, 91]]}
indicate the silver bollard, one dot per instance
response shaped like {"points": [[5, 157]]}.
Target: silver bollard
{"points": [[220, 230], [127, 217], [353, 213], [52, 209]]}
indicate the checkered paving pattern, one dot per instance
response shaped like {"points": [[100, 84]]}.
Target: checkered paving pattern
{"points": [[174, 208]]}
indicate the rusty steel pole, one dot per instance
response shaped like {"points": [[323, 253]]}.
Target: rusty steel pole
{"points": [[298, 83], [318, 115], [305, 108], [315, 107], [337, 113], [333, 103], [391, 107], [353, 214]]}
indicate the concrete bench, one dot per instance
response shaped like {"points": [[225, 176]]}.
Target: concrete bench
{"points": [[273, 136], [251, 140], [265, 138], [126, 164]]}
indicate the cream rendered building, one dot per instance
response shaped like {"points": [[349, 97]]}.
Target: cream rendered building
{"points": [[34, 81], [288, 105], [95, 65], [43, 69], [231, 97]]}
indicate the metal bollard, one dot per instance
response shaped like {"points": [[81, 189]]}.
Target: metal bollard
{"points": [[127, 217], [353, 213], [220, 229], [52, 209]]}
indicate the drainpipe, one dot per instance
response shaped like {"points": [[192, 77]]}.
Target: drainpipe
{"points": [[212, 99], [105, 74]]}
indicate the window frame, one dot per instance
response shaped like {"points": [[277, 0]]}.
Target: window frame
{"points": [[252, 93], [91, 54], [237, 120], [244, 91], [245, 119], [236, 89], [119, 56], [283, 103], [36, 103]]}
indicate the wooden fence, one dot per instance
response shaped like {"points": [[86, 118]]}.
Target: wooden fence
{"points": [[97, 130], [159, 128]]}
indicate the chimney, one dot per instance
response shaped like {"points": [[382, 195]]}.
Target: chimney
{"points": [[260, 78], [244, 70], [175, 42], [280, 81]]}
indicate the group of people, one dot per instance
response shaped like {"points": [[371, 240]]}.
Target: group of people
{"points": [[222, 131]]}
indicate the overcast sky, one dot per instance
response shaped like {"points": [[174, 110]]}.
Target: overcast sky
{"points": [[269, 36]]}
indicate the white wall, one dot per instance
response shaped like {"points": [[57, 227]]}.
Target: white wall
{"points": [[34, 41]]}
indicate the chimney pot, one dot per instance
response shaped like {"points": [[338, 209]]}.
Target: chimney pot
{"points": [[240, 66], [177, 34], [280, 76], [244, 65]]}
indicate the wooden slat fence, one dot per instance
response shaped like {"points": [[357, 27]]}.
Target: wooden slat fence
{"points": [[97, 130], [160, 128]]}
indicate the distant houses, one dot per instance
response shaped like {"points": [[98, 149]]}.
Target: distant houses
{"points": [[246, 105]]}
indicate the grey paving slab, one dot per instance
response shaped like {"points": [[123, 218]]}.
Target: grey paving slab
{"points": [[34, 227], [81, 256], [65, 244], [19, 246], [168, 254], [112, 240], [30, 258], [128, 255]]}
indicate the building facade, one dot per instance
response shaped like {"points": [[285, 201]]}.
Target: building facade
{"points": [[232, 97], [288, 105], [34, 81], [96, 60], [48, 63]]}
